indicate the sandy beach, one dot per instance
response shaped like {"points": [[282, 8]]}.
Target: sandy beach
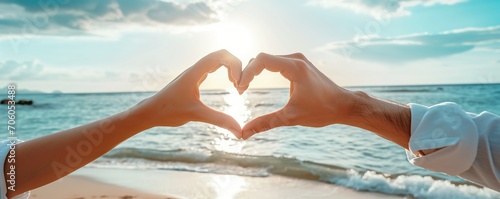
{"points": [[80, 187], [166, 184]]}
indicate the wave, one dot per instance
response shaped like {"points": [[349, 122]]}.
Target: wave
{"points": [[264, 105], [260, 92], [285, 166], [407, 90], [263, 166], [412, 185]]}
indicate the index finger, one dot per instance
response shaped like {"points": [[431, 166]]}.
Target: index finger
{"points": [[214, 61], [288, 68]]}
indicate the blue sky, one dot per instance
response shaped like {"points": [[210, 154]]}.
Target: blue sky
{"points": [[140, 45]]}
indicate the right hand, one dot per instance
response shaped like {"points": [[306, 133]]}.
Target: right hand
{"points": [[315, 100]]}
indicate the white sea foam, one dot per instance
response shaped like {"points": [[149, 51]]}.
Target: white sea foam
{"points": [[262, 166], [416, 186]]}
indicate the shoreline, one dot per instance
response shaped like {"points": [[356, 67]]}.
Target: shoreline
{"points": [[167, 184]]}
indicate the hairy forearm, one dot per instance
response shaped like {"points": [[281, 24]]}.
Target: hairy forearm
{"points": [[46, 159], [387, 119]]}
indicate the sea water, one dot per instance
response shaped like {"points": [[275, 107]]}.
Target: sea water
{"points": [[338, 154]]}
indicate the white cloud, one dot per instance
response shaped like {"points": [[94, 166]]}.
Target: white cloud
{"points": [[22, 71], [30, 71], [13, 70], [417, 46], [380, 7]]}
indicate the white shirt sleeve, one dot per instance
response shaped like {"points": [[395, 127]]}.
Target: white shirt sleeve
{"points": [[4, 150], [456, 142]]}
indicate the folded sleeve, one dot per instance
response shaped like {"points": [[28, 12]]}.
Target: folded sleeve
{"points": [[456, 143]]}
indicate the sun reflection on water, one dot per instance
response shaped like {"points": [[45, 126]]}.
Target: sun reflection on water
{"points": [[236, 106]]}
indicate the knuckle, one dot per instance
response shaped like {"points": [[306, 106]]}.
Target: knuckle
{"points": [[220, 53], [301, 65], [262, 55], [299, 56], [251, 60], [223, 51], [238, 63]]}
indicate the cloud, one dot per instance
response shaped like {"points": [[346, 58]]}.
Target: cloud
{"points": [[23, 71], [89, 16], [29, 70], [110, 74], [417, 46], [379, 7]]}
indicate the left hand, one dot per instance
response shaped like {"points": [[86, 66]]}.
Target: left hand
{"points": [[179, 102]]}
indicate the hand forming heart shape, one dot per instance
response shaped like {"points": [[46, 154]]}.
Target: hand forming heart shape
{"points": [[179, 102], [315, 100], [311, 95]]}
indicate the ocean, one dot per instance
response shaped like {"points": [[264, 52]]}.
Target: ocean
{"points": [[337, 154]]}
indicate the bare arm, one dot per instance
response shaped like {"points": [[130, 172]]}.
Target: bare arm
{"points": [[387, 119], [317, 101], [46, 159]]}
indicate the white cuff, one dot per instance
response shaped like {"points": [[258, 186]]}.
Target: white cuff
{"points": [[445, 127]]}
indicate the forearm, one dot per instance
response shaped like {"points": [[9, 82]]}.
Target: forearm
{"points": [[46, 159], [389, 120]]}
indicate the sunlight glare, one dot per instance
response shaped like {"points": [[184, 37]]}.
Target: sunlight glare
{"points": [[236, 108], [236, 39], [227, 187]]}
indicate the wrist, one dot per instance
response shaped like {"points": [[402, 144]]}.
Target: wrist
{"points": [[355, 106], [139, 115], [387, 119]]}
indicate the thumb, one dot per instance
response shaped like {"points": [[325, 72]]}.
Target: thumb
{"points": [[264, 123], [217, 118]]}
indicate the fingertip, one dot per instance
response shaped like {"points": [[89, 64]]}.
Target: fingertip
{"points": [[211, 116], [248, 133], [235, 129], [236, 133], [241, 89]]}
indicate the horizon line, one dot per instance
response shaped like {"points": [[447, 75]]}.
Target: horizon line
{"points": [[275, 88]]}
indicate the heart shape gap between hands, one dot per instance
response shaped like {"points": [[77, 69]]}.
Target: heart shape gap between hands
{"points": [[315, 101], [242, 107]]}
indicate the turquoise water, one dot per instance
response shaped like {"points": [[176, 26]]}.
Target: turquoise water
{"points": [[338, 154]]}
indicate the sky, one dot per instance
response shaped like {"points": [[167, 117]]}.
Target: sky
{"points": [[141, 45]]}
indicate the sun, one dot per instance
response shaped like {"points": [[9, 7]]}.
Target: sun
{"points": [[235, 38]]}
